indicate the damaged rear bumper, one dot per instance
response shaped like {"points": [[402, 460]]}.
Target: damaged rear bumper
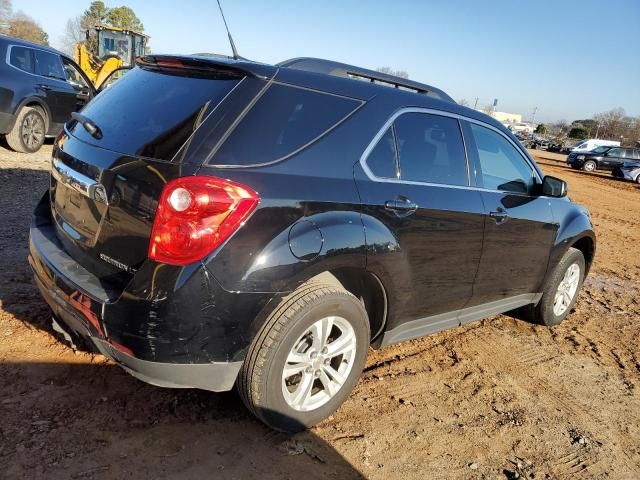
{"points": [[80, 304]]}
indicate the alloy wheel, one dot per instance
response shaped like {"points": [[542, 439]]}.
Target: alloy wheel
{"points": [[566, 290], [32, 130], [319, 363]]}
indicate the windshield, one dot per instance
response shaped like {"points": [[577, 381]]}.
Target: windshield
{"points": [[114, 43], [600, 149]]}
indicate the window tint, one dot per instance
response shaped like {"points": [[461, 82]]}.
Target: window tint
{"points": [[21, 58], [615, 152], [284, 119], [73, 75], [382, 159], [628, 153], [636, 154], [503, 168], [49, 65], [430, 149], [151, 114]]}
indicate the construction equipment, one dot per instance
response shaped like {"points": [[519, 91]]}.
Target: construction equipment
{"points": [[115, 48]]}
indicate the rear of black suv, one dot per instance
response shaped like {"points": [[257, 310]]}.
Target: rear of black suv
{"points": [[131, 244]]}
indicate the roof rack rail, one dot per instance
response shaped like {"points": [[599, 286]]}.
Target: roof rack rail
{"points": [[344, 70]]}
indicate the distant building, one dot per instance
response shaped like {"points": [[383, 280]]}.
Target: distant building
{"points": [[505, 117]]}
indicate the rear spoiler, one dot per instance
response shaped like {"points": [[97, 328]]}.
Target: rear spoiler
{"points": [[207, 65]]}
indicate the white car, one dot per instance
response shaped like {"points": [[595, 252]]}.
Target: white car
{"points": [[591, 143]]}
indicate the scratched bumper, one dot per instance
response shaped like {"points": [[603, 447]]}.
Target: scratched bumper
{"points": [[171, 326]]}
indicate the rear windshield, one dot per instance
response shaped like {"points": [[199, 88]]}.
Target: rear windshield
{"points": [[283, 120], [151, 113]]}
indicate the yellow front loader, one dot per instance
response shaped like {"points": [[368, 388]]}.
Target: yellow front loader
{"points": [[115, 48]]}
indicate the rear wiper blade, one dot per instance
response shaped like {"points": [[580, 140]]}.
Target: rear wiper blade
{"points": [[88, 125]]}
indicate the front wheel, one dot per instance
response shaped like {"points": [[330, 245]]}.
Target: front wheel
{"points": [[306, 359], [589, 166], [561, 291]]}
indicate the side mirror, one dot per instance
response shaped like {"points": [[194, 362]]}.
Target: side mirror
{"points": [[554, 187]]}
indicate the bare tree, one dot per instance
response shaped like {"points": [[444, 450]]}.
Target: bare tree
{"points": [[25, 27], [488, 109], [612, 124], [464, 102], [395, 73], [73, 34], [5, 15]]}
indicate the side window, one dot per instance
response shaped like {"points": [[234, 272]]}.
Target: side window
{"points": [[615, 152], [283, 120], [22, 58], [48, 65], [74, 77], [628, 153], [382, 159], [430, 149], [636, 154], [502, 166]]}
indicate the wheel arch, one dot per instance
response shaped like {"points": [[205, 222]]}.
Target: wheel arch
{"points": [[33, 102]]}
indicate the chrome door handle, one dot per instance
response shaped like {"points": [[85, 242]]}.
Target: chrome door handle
{"points": [[500, 215], [405, 206], [78, 182]]}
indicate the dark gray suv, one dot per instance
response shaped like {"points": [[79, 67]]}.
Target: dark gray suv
{"points": [[39, 89]]}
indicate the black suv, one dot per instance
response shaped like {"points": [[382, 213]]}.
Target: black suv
{"points": [[602, 158], [39, 89], [214, 222]]}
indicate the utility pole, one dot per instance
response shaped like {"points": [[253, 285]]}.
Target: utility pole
{"points": [[475, 105], [533, 115]]}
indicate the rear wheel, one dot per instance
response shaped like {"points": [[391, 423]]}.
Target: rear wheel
{"points": [[306, 359], [561, 291], [589, 166], [28, 133]]}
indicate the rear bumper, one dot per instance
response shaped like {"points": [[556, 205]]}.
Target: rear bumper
{"points": [[80, 307]]}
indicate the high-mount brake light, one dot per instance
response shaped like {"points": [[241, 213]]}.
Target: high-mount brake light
{"points": [[196, 215]]}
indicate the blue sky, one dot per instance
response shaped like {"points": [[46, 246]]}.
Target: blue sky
{"points": [[568, 58]]}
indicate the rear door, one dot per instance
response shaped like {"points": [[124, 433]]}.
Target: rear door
{"points": [[519, 226], [417, 186], [60, 95]]}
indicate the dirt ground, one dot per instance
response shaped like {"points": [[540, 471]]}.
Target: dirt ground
{"points": [[496, 399]]}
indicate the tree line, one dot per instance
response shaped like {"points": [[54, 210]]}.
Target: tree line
{"points": [[20, 25]]}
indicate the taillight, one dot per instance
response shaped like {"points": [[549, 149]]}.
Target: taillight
{"points": [[196, 215]]}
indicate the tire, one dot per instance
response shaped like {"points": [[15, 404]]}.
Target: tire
{"points": [[262, 383], [589, 166], [544, 312], [28, 132], [638, 179]]}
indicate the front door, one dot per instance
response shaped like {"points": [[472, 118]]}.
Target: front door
{"points": [[59, 94], [519, 226], [424, 224]]}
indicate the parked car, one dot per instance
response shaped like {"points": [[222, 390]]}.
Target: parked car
{"points": [[628, 171], [602, 158], [39, 88], [263, 225], [591, 143], [540, 143]]}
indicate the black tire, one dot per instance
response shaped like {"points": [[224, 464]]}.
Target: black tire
{"points": [[260, 382], [589, 166], [28, 132], [543, 313]]}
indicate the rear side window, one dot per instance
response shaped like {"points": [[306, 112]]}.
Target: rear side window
{"points": [[283, 120], [430, 149], [503, 168], [151, 113], [21, 58], [382, 159], [48, 65]]}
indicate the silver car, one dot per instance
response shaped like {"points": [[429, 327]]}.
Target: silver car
{"points": [[628, 171]]}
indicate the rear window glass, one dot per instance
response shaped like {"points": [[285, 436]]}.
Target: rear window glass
{"points": [[283, 120], [150, 113], [382, 159], [21, 58]]}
